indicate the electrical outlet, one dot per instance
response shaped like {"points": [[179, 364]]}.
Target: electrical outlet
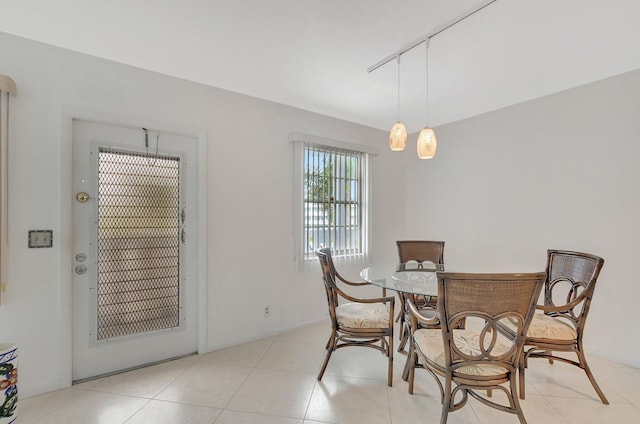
{"points": [[267, 311]]}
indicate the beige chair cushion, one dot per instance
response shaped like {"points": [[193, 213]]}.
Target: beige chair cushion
{"points": [[430, 343], [547, 327], [363, 315]]}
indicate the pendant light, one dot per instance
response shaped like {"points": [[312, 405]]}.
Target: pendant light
{"points": [[398, 133], [427, 142]]}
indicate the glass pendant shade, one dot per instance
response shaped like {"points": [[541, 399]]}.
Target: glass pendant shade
{"points": [[427, 143], [398, 137]]}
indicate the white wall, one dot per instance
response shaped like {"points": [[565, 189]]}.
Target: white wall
{"points": [[557, 172], [249, 199]]}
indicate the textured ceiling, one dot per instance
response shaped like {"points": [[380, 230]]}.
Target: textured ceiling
{"points": [[313, 54]]}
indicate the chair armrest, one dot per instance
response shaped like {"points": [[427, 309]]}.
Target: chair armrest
{"points": [[359, 283], [352, 283], [563, 308], [389, 299], [418, 318]]}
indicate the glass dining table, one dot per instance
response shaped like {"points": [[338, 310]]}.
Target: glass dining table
{"points": [[412, 279], [409, 278]]}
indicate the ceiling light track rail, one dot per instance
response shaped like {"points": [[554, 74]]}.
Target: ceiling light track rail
{"points": [[426, 38]]}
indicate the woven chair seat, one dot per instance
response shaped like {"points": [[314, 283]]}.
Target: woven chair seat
{"points": [[429, 342], [547, 327], [363, 315]]}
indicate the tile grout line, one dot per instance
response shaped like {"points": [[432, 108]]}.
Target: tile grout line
{"points": [[253, 368]]}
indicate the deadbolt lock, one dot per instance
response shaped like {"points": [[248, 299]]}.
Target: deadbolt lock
{"points": [[82, 197]]}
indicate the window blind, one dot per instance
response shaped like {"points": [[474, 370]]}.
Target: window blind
{"points": [[333, 190]]}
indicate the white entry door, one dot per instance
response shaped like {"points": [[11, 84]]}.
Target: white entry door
{"points": [[134, 247]]}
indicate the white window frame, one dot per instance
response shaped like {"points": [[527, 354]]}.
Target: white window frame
{"points": [[300, 141]]}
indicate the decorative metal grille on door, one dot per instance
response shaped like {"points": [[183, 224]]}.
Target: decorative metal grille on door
{"points": [[139, 224]]}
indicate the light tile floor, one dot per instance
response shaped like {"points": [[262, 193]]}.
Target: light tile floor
{"points": [[273, 381]]}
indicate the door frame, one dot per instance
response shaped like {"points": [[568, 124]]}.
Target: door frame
{"points": [[65, 225]]}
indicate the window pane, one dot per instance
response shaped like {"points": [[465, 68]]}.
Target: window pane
{"points": [[332, 210]]}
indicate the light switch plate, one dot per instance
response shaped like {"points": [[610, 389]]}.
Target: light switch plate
{"points": [[40, 238]]}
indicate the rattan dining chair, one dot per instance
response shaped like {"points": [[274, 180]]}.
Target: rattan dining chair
{"points": [[419, 251], [356, 321], [477, 359], [560, 322]]}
